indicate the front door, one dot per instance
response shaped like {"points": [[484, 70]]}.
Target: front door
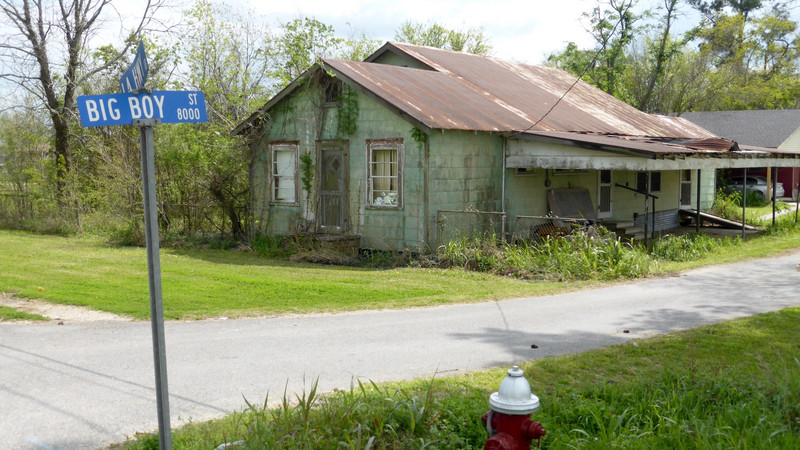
{"points": [[332, 171], [604, 185]]}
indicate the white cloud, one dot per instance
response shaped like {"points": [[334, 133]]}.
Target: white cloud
{"points": [[522, 30]]}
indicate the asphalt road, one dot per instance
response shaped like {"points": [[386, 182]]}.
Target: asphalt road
{"points": [[86, 385]]}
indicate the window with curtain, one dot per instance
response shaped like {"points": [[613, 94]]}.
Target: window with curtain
{"points": [[284, 168], [384, 173]]}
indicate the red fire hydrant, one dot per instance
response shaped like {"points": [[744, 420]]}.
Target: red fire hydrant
{"points": [[508, 421]]}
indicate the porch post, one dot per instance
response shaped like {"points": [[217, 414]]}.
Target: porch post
{"points": [[774, 193], [646, 203], [697, 219], [744, 199]]}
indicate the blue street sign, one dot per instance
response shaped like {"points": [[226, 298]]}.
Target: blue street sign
{"points": [[133, 79], [123, 109]]}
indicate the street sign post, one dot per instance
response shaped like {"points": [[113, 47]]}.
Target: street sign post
{"points": [[137, 106]]}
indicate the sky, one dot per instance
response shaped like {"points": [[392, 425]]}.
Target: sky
{"points": [[520, 30]]}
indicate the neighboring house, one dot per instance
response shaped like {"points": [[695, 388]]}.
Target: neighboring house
{"points": [[778, 129], [414, 131]]}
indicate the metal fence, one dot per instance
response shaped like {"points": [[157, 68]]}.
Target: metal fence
{"points": [[539, 228], [458, 225]]}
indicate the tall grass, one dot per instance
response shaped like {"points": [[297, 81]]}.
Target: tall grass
{"points": [[689, 247], [584, 255]]}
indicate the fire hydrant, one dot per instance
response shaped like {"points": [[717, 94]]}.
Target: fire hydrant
{"points": [[508, 421]]}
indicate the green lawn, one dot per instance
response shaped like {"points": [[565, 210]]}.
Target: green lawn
{"points": [[213, 283]]}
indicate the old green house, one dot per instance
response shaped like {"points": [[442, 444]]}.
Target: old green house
{"points": [[414, 143]]}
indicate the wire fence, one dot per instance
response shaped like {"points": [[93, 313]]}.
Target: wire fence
{"points": [[457, 225], [537, 229]]}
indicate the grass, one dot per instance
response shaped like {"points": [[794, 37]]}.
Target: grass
{"points": [[8, 314], [730, 385], [212, 283]]}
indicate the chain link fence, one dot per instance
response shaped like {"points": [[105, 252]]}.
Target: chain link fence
{"points": [[457, 225], [537, 229]]}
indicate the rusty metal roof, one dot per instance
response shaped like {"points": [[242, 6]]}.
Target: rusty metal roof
{"points": [[472, 92], [460, 91]]}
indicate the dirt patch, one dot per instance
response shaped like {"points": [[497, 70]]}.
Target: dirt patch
{"points": [[58, 312]]}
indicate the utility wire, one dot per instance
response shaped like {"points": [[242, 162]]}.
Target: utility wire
{"points": [[585, 69]]}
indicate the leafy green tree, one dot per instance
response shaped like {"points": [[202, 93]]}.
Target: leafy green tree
{"points": [[472, 40], [43, 52], [300, 44], [24, 166]]}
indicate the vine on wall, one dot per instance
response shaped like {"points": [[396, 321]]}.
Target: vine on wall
{"points": [[419, 137], [348, 111]]}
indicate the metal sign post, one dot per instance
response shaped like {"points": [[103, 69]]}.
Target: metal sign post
{"points": [[138, 106], [154, 275]]}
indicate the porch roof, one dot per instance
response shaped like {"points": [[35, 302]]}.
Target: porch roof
{"points": [[617, 152]]}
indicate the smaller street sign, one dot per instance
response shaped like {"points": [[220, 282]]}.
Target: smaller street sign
{"points": [[134, 78], [124, 108]]}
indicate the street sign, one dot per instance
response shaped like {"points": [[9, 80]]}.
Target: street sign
{"points": [[123, 109], [133, 79]]}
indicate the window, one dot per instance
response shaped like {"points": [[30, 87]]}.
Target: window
{"points": [[655, 181], [284, 168], [333, 92], [384, 173], [522, 171]]}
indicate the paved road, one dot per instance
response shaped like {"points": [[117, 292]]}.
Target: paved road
{"points": [[91, 384]]}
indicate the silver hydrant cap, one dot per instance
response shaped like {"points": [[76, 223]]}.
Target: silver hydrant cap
{"points": [[514, 396]]}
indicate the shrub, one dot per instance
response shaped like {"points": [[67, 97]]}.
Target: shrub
{"points": [[584, 255]]}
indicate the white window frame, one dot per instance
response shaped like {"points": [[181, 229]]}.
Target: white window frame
{"points": [[380, 202], [275, 179]]}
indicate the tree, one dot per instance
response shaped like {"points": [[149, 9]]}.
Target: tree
{"points": [[613, 30], [46, 56], [300, 44], [472, 40]]}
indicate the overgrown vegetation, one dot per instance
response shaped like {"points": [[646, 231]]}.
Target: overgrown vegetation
{"points": [[732, 385], [729, 206]]}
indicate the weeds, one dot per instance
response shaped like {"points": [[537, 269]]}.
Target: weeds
{"points": [[689, 247], [584, 255]]}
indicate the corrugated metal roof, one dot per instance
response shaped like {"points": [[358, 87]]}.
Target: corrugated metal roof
{"points": [[478, 93], [472, 92]]}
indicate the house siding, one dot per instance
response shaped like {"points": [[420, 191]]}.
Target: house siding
{"points": [[302, 118]]}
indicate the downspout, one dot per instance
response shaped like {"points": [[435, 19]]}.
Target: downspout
{"points": [[503, 187]]}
